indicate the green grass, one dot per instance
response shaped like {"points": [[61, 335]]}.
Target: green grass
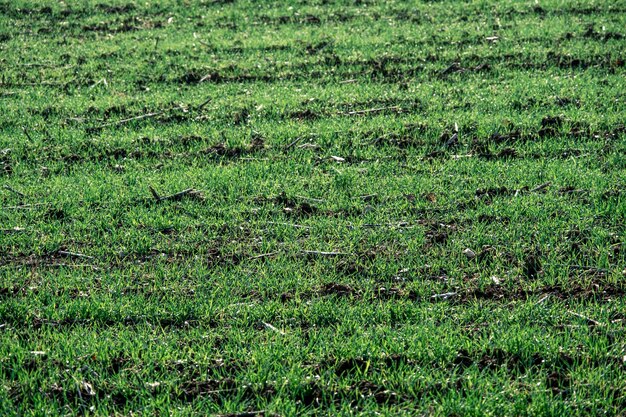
{"points": [[318, 265]]}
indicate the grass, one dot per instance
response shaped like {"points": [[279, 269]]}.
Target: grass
{"points": [[334, 160]]}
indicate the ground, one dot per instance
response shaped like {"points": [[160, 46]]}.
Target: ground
{"points": [[312, 208]]}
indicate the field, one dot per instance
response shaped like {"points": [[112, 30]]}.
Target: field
{"points": [[325, 207]]}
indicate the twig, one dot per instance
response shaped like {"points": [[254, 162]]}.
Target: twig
{"points": [[156, 195], [242, 304], [588, 268], [541, 187], [260, 413], [443, 296], [263, 255], [13, 230], [544, 298], [63, 265], [454, 67], [320, 253], [39, 84], [204, 103], [373, 225], [102, 81], [187, 192], [45, 65], [294, 143], [366, 197], [26, 133], [7, 187], [590, 322], [308, 145], [73, 254], [218, 391], [367, 111], [191, 192], [24, 206], [253, 159], [297, 226], [315, 200], [269, 326], [130, 119]]}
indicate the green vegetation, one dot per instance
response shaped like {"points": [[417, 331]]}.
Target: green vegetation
{"points": [[312, 207]]}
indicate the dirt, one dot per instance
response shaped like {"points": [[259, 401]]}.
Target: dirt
{"points": [[6, 163], [306, 114], [340, 290], [532, 265], [117, 9], [493, 192], [379, 393], [457, 68], [220, 150], [291, 206]]}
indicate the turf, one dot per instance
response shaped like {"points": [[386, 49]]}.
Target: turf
{"points": [[312, 208]]}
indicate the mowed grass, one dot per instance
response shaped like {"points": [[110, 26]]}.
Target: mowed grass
{"points": [[384, 208]]}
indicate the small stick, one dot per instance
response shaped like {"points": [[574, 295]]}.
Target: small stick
{"points": [[259, 413], [590, 322], [24, 206], [102, 81], [130, 119], [207, 101], [7, 187], [372, 225], [298, 226], [315, 252], [15, 229], [242, 305], [541, 187], [269, 326], [156, 195], [26, 133], [263, 255], [308, 145], [294, 143], [544, 298], [43, 83], [315, 200], [454, 67], [588, 268], [366, 197], [178, 195], [443, 296], [366, 111], [46, 65], [74, 254], [62, 265]]}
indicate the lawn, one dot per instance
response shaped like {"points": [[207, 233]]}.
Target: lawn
{"points": [[323, 207]]}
